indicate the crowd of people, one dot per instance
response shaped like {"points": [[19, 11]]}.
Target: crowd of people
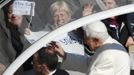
{"points": [[98, 48]]}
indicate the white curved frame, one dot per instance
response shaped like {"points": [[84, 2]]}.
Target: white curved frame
{"points": [[66, 28], [4, 3]]}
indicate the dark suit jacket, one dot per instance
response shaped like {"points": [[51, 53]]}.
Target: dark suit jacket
{"points": [[122, 30], [130, 22], [61, 72]]}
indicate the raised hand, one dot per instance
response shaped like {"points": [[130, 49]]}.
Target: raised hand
{"points": [[55, 46], [88, 9]]}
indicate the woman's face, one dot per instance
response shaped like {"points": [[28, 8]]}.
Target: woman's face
{"points": [[110, 4], [60, 18], [12, 18]]}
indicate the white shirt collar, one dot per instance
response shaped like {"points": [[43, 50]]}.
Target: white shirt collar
{"points": [[52, 72], [110, 40]]}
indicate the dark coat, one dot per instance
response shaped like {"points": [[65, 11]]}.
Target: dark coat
{"points": [[123, 31], [130, 22], [7, 52]]}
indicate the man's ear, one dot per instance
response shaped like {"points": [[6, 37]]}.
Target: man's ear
{"points": [[44, 69], [44, 66]]}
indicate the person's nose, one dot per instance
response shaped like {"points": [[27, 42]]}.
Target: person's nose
{"points": [[59, 18], [108, 6], [14, 15]]}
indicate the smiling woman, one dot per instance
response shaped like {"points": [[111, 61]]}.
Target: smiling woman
{"points": [[13, 19]]}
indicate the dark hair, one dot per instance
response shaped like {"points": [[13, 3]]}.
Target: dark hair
{"points": [[6, 10], [6, 7], [49, 58]]}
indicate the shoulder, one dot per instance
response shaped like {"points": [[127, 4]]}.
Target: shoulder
{"points": [[114, 53], [112, 50]]}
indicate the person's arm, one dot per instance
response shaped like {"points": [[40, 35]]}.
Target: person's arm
{"points": [[76, 62], [55, 46], [129, 42], [71, 61]]}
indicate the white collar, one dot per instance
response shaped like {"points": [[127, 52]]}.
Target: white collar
{"points": [[110, 40], [52, 72]]}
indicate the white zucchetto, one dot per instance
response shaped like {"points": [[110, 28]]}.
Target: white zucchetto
{"points": [[96, 29]]}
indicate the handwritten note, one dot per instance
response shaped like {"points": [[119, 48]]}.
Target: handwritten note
{"points": [[70, 45], [23, 8]]}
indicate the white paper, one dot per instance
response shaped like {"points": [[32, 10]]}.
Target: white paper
{"points": [[69, 45], [23, 8], [34, 36]]}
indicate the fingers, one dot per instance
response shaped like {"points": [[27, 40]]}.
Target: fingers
{"points": [[27, 31], [88, 9], [129, 42], [2, 68], [55, 46]]}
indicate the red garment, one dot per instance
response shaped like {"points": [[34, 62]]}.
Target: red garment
{"points": [[114, 21]]}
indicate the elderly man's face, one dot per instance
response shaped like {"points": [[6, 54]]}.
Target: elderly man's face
{"points": [[110, 4], [12, 18], [91, 43], [60, 18]]}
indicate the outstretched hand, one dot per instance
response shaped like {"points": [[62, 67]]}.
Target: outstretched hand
{"points": [[55, 46], [27, 31]]}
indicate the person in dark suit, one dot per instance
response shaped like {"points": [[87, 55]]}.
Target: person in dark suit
{"points": [[48, 62], [117, 25], [130, 22]]}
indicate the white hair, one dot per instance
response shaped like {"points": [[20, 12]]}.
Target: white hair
{"points": [[96, 29], [60, 5]]}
